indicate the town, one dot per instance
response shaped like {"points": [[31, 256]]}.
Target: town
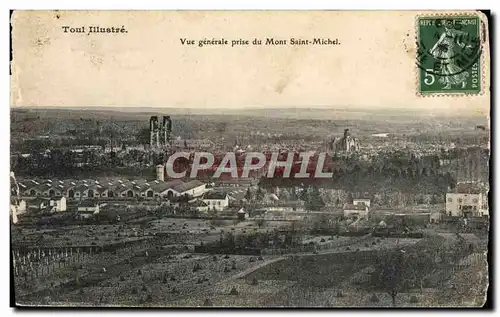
{"points": [[98, 218]]}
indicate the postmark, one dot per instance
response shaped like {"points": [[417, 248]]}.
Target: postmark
{"points": [[449, 55]]}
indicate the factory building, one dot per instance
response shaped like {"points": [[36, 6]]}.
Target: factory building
{"points": [[107, 188]]}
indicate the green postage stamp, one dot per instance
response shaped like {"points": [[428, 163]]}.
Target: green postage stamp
{"points": [[449, 54]]}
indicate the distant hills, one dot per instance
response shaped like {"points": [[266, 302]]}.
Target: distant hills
{"points": [[300, 113]]}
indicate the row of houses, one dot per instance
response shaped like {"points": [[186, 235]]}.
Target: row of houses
{"points": [[110, 188]]}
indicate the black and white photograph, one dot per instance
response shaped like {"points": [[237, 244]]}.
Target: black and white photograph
{"points": [[216, 159]]}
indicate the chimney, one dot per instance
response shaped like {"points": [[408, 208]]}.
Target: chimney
{"points": [[160, 172]]}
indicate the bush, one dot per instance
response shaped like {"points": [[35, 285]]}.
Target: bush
{"points": [[374, 243], [367, 245], [139, 272], [348, 249], [234, 291], [172, 278], [226, 269], [122, 278], [254, 281], [214, 258], [413, 299], [233, 265], [207, 302], [134, 290], [196, 267], [339, 294], [322, 240], [261, 258], [251, 260], [226, 256], [374, 298]]}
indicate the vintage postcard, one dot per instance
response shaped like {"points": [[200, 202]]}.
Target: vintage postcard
{"points": [[250, 158]]}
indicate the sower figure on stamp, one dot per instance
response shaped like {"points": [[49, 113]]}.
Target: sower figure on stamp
{"points": [[445, 50]]}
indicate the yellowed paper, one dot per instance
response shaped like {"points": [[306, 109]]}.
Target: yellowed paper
{"points": [[412, 87]]}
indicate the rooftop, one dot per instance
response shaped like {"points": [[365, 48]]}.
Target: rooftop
{"points": [[354, 207], [215, 195], [181, 188]]}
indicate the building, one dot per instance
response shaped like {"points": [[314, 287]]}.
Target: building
{"points": [[90, 207], [38, 204], [345, 144], [110, 189], [242, 214], [235, 212], [200, 206], [466, 201], [436, 216], [193, 143], [359, 201], [216, 201], [160, 172], [193, 188], [58, 204], [359, 211]]}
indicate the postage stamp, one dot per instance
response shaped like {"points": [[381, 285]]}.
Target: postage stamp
{"points": [[449, 55]]}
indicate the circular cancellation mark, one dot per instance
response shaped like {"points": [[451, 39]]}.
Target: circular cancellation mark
{"points": [[454, 52]]}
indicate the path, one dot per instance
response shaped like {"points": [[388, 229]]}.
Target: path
{"points": [[256, 267]]}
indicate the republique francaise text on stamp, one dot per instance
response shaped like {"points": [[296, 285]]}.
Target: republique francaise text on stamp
{"points": [[448, 55]]}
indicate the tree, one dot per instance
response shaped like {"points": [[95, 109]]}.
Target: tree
{"points": [[434, 200], [389, 274], [143, 136], [259, 195], [303, 194], [314, 200], [248, 195], [261, 222]]}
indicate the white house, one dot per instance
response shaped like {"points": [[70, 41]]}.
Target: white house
{"points": [[358, 201], [216, 201], [356, 211], [465, 201], [242, 214], [58, 205]]}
